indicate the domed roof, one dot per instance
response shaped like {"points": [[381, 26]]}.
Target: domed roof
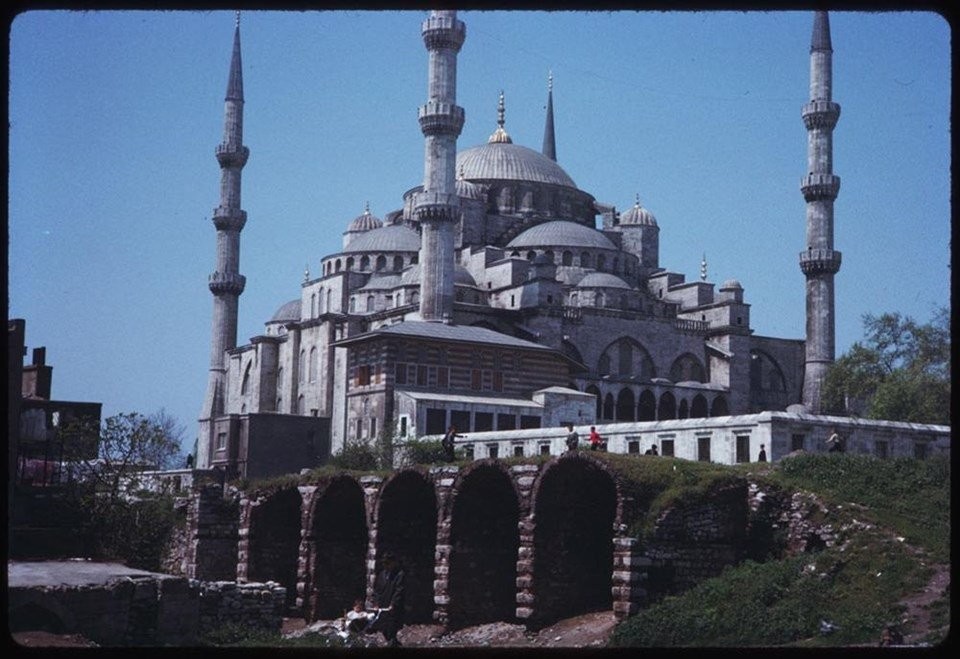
{"points": [[561, 233], [468, 190], [392, 238], [460, 276], [731, 283], [637, 214], [287, 312], [381, 283], [512, 162], [602, 280], [365, 222]]}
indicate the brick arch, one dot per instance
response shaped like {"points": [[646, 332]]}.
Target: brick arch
{"points": [[273, 540], [484, 516], [406, 523], [338, 540], [576, 506]]}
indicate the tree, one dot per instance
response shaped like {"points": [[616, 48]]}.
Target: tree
{"points": [[899, 372]]}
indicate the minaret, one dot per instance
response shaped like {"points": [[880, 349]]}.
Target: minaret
{"points": [[819, 262], [549, 141], [226, 283], [437, 207]]}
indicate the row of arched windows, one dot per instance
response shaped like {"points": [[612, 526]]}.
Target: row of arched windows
{"points": [[627, 406], [585, 259], [379, 263]]}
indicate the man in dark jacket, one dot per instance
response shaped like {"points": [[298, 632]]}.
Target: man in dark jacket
{"points": [[388, 592]]}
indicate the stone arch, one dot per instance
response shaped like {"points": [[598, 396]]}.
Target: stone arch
{"points": [[765, 372], [274, 540], [575, 507], [719, 407], [625, 405], [364, 263], [381, 263], [349, 265], [687, 368], [628, 358], [667, 407], [245, 383], [608, 407], [595, 390], [567, 257], [38, 611], [571, 351], [337, 560], [484, 539], [698, 408], [338, 265], [683, 409], [398, 263], [647, 406], [407, 527]]}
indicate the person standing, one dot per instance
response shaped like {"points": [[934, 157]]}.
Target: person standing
{"points": [[448, 442], [596, 441], [762, 457], [834, 442], [388, 593], [573, 439], [652, 450]]}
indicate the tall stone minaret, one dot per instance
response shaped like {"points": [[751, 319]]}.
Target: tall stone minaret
{"points": [[226, 283], [549, 140], [819, 262], [437, 207]]}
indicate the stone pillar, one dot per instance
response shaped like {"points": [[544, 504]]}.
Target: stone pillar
{"points": [[525, 475], [443, 478], [371, 492], [629, 577], [212, 523], [243, 537], [307, 546]]}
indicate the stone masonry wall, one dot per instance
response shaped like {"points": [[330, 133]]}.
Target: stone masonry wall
{"points": [[250, 605]]}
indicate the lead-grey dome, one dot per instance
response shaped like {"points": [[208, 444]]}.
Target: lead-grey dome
{"points": [[461, 277], [512, 162], [392, 238], [637, 214], [365, 222], [602, 280], [731, 283], [287, 312], [561, 233], [381, 283]]}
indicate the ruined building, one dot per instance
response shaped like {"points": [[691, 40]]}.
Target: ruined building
{"points": [[499, 295]]}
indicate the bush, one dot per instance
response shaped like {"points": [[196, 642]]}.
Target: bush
{"points": [[133, 532], [357, 455]]}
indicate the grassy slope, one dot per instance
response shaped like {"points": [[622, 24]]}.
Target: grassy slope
{"points": [[855, 586]]}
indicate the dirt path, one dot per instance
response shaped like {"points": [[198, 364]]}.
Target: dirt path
{"points": [[918, 613]]}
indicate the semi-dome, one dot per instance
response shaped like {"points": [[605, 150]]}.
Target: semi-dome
{"points": [[602, 280], [468, 190], [365, 221], [512, 162], [731, 283], [381, 283], [638, 215], [561, 233], [392, 238], [287, 312], [461, 277]]}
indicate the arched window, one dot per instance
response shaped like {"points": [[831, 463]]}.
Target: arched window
{"points": [[585, 259], [338, 265], [328, 302], [574, 300], [599, 300], [302, 365], [531, 255], [381, 262], [369, 303], [350, 263], [698, 409], [625, 405], [667, 409], [301, 405], [415, 297], [398, 263], [313, 305], [551, 257], [353, 304], [364, 263], [567, 258], [603, 367], [647, 406], [601, 262], [682, 410], [687, 367], [313, 364], [719, 407], [245, 384]]}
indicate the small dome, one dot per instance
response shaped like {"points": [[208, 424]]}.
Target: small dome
{"points": [[559, 233], [365, 222], [602, 280], [637, 214], [392, 238], [732, 284], [382, 283], [460, 276], [468, 190], [287, 312]]}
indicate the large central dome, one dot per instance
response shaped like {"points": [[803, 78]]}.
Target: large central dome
{"points": [[505, 161]]}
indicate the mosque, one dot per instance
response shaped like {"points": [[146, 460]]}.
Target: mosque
{"points": [[499, 296]]}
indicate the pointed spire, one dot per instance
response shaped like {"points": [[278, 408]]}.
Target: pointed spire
{"points": [[306, 268], [703, 268], [366, 208], [500, 135], [235, 84], [637, 202], [821, 32], [549, 140]]}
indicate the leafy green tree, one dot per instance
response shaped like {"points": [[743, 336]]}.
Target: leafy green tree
{"points": [[900, 371]]}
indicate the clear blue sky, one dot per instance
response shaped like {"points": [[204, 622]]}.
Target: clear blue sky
{"points": [[114, 117]]}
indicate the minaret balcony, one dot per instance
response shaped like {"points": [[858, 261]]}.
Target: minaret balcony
{"points": [[435, 206], [226, 283], [443, 32], [437, 118], [232, 155], [821, 114], [816, 187], [229, 219], [820, 261]]}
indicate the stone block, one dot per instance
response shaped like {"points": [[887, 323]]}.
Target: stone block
{"points": [[524, 612]]}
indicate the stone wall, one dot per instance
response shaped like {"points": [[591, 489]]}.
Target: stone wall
{"points": [[251, 605], [212, 528]]}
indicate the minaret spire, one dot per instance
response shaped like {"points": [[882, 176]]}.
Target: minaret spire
{"points": [[437, 207], [225, 283], [819, 262], [549, 140]]}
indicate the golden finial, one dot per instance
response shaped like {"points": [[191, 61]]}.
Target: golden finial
{"points": [[500, 135]]}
